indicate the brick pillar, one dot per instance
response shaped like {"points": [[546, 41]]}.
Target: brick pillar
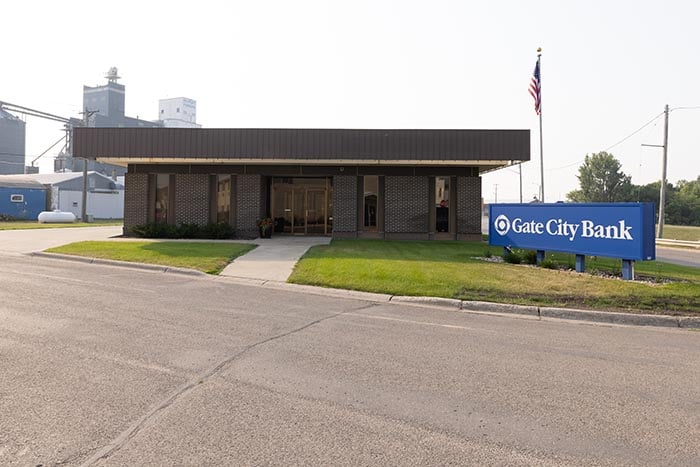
{"points": [[248, 205], [469, 208], [136, 201], [192, 199], [344, 206], [406, 208]]}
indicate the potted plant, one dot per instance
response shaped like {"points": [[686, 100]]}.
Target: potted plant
{"points": [[265, 225]]}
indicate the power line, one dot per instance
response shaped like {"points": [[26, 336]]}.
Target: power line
{"points": [[628, 136], [566, 166], [634, 132], [685, 108]]}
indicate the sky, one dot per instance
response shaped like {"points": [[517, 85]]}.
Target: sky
{"points": [[608, 68]]}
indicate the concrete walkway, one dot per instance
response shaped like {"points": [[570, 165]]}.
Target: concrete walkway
{"points": [[33, 240], [273, 259]]}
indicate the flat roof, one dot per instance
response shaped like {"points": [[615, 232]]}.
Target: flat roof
{"points": [[20, 181], [486, 149]]}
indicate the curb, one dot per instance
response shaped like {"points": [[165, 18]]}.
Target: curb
{"points": [[312, 289], [128, 264], [611, 317], [429, 301], [683, 243], [608, 317], [500, 308]]}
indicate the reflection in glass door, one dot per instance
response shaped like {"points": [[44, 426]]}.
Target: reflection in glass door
{"points": [[299, 212], [316, 212], [300, 206], [283, 210]]}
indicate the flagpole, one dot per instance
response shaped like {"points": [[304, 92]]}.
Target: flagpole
{"points": [[520, 169], [539, 54]]}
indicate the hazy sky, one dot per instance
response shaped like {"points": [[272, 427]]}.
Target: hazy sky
{"points": [[608, 67]]}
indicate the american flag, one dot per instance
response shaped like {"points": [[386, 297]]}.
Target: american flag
{"points": [[535, 90]]}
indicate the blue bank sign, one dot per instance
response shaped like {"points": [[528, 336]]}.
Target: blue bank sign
{"points": [[616, 230]]}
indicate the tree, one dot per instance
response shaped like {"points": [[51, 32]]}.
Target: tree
{"points": [[684, 207], [601, 181]]}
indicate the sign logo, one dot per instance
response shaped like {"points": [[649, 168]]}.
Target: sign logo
{"points": [[502, 225]]}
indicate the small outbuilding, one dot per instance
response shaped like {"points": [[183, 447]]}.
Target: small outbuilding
{"points": [[105, 196], [21, 198]]}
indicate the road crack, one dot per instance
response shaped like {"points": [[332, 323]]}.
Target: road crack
{"points": [[128, 434]]}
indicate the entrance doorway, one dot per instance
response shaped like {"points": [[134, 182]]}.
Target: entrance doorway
{"points": [[302, 206]]}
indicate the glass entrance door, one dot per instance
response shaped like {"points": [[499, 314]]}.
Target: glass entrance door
{"points": [[299, 210], [316, 212], [301, 206]]}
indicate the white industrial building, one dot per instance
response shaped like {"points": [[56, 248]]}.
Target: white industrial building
{"points": [[178, 112]]}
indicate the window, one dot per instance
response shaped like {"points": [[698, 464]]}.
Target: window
{"points": [[442, 204], [178, 110], [162, 198], [223, 198], [17, 198], [371, 188]]}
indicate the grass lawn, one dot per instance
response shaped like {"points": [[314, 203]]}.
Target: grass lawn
{"points": [[21, 225], [450, 269], [211, 258], [682, 232]]}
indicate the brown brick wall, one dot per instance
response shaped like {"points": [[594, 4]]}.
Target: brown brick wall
{"points": [[469, 207], [344, 204], [192, 199], [406, 206], [248, 205], [135, 200]]}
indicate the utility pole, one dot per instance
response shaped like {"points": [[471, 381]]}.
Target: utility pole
{"points": [[83, 209], [662, 193], [495, 193], [662, 190]]}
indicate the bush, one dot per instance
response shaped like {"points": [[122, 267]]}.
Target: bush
{"points": [[6, 218], [212, 231], [530, 257], [548, 264], [512, 257], [154, 230], [189, 231], [219, 231]]}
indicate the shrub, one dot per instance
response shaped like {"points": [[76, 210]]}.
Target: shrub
{"points": [[548, 264], [6, 218], [189, 231], [530, 257], [487, 253], [154, 230], [219, 231], [512, 257], [213, 231]]}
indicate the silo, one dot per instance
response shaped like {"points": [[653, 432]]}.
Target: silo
{"points": [[12, 140]]}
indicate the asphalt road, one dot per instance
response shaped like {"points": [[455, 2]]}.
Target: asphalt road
{"points": [[681, 256], [105, 365]]}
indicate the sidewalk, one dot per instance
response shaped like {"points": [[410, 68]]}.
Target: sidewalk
{"points": [[33, 240], [273, 259]]}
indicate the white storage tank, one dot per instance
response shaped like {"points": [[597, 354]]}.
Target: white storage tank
{"points": [[56, 217]]}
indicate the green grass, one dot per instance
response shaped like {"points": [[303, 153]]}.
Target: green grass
{"points": [[211, 258], [22, 225], [449, 269], [682, 232]]}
